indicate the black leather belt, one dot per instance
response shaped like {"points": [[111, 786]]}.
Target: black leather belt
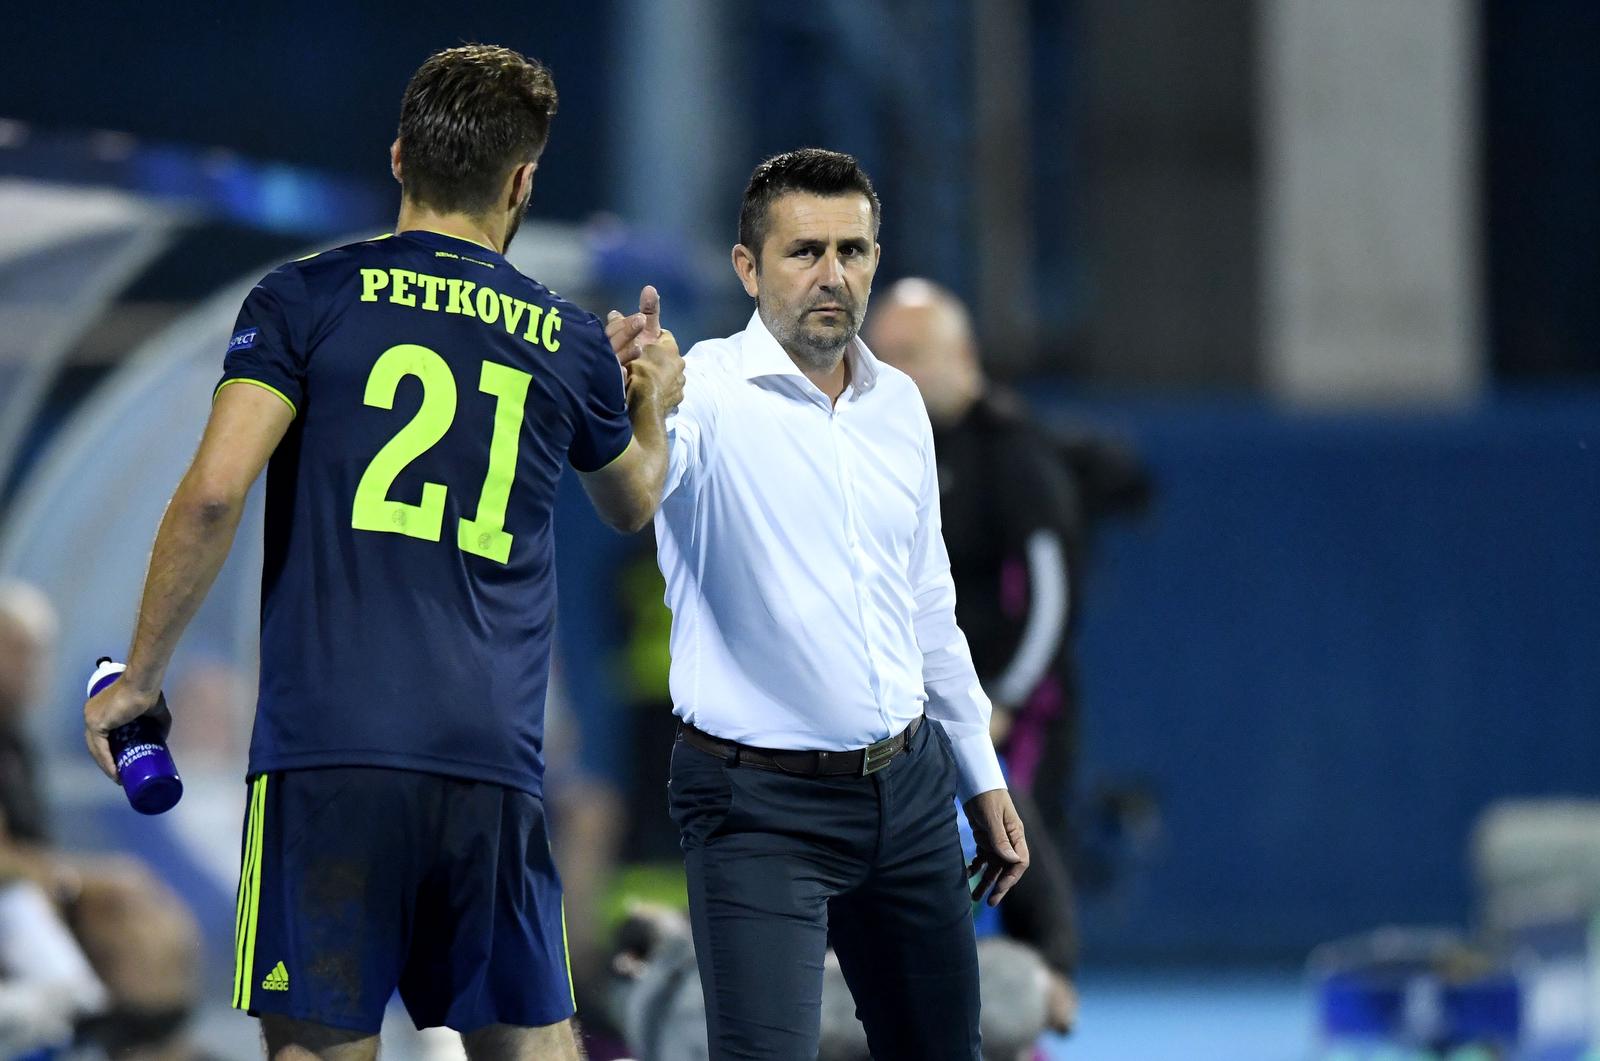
{"points": [[858, 762]]}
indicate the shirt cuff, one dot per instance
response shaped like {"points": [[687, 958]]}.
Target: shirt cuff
{"points": [[977, 764]]}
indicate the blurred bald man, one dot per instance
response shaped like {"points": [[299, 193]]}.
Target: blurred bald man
{"points": [[1013, 525], [1015, 515], [27, 635]]}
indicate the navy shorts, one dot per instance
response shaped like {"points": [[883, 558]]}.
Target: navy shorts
{"points": [[360, 880]]}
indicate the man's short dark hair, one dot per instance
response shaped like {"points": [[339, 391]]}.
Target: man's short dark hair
{"points": [[810, 170], [469, 117]]}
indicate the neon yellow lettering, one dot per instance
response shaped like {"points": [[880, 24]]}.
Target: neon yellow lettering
{"points": [[552, 324], [485, 534], [488, 305], [460, 296], [431, 286], [532, 334], [514, 308], [373, 281], [373, 510], [400, 291]]}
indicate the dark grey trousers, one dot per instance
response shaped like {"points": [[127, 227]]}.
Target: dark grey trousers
{"points": [[779, 866]]}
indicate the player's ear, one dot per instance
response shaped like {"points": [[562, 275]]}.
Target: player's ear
{"points": [[394, 160], [744, 263], [522, 183]]}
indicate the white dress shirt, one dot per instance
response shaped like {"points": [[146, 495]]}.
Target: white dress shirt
{"points": [[812, 605]]}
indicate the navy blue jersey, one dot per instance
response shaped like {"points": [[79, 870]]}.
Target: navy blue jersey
{"points": [[408, 588]]}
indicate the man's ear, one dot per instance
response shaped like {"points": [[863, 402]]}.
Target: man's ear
{"points": [[748, 270], [522, 183], [394, 160]]}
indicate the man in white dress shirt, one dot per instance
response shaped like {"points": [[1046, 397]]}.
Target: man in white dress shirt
{"points": [[829, 706]]}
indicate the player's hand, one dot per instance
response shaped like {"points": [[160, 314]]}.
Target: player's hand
{"points": [[631, 334], [657, 373], [623, 333], [1002, 850], [648, 353], [117, 705]]}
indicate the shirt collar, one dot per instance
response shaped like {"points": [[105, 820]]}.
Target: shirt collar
{"points": [[442, 241], [763, 355]]}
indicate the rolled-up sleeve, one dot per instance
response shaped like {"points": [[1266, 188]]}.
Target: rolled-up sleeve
{"points": [[955, 698]]}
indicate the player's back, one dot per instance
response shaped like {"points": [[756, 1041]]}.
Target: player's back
{"points": [[408, 589]]}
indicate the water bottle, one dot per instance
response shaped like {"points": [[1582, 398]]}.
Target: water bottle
{"points": [[144, 765]]}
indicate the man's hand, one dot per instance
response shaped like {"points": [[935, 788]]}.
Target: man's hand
{"points": [[1002, 851], [624, 332], [648, 353], [116, 706], [658, 373]]}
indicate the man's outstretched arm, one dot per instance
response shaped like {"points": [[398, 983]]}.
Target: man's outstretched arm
{"points": [[246, 424]]}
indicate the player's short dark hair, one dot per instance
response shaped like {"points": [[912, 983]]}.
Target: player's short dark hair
{"points": [[811, 170], [469, 117]]}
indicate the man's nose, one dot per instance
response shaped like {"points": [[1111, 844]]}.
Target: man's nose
{"points": [[832, 271]]}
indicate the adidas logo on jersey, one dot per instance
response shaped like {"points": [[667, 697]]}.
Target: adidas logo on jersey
{"points": [[277, 980]]}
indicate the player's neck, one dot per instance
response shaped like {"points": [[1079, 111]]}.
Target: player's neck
{"points": [[470, 227]]}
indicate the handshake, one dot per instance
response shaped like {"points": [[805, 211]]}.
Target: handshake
{"points": [[651, 365]]}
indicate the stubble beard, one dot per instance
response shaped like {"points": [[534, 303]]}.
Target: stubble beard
{"points": [[516, 221], [815, 351]]}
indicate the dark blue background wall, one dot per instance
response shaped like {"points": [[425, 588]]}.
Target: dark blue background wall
{"points": [[1332, 642], [314, 84]]}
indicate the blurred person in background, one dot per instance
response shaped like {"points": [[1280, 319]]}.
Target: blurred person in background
{"points": [[417, 398], [813, 634], [661, 1004], [587, 820], [1017, 999], [655, 992], [28, 628], [47, 985], [145, 946], [1012, 524], [1021, 503], [94, 942], [46, 981]]}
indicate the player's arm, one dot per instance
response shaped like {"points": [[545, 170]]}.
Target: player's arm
{"points": [[197, 530], [627, 491]]}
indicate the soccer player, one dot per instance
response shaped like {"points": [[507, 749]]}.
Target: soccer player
{"points": [[416, 397]]}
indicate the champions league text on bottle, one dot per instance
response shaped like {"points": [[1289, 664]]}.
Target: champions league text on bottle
{"points": [[144, 765]]}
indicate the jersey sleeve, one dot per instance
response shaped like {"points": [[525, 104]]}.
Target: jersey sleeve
{"points": [[601, 428], [269, 345]]}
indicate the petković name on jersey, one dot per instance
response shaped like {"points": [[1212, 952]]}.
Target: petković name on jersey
{"points": [[449, 294]]}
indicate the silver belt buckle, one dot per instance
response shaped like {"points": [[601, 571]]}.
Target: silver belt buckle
{"points": [[877, 756]]}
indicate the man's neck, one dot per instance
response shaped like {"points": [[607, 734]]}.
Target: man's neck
{"points": [[470, 227], [831, 381]]}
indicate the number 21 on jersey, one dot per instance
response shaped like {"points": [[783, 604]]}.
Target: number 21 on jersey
{"points": [[483, 535]]}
